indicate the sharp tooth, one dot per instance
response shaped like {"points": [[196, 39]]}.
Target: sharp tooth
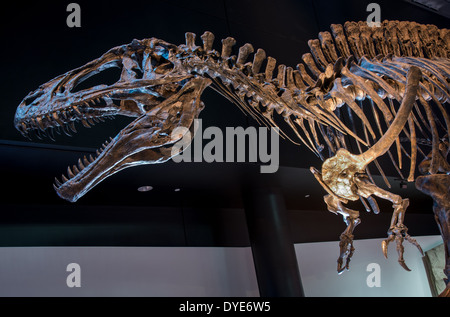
{"points": [[33, 123], [57, 182], [25, 134], [95, 119], [77, 111], [23, 129], [57, 119], [85, 161], [91, 159], [64, 178], [66, 130], [89, 120], [40, 124], [63, 114], [72, 126], [97, 152], [23, 126], [75, 169], [38, 133], [51, 134], [69, 172], [50, 120], [85, 124], [80, 164], [101, 119]]}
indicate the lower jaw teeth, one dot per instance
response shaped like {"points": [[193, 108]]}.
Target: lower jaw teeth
{"points": [[82, 164]]}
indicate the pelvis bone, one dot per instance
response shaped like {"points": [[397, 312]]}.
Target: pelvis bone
{"points": [[343, 177]]}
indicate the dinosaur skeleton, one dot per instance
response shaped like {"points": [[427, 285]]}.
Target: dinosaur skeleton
{"points": [[362, 86]]}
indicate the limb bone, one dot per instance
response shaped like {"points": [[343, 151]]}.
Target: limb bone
{"points": [[343, 177]]}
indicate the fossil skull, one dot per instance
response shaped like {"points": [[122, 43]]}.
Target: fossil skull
{"points": [[154, 87]]}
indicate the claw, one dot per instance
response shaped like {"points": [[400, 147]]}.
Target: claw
{"points": [[403, 265], [399, 233], [384, 248], [341, 268], [414, 242], [346, 250], [400, 251], [385, 243]]}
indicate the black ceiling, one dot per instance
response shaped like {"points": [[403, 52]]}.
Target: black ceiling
{"points": [[207, 210]]}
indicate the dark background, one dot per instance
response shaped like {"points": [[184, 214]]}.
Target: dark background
{"points": [[37, 46]]}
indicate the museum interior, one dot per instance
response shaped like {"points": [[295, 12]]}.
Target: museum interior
{"points": [[196, 227]]}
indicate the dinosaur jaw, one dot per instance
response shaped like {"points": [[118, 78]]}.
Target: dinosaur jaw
{"points": [[141, 142], [146, 140], [42, 110], [90, 171], [69, 120]]}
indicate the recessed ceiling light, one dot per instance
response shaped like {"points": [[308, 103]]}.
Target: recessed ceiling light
{"points": [[145, 188], [306, 196], [177, 189]]}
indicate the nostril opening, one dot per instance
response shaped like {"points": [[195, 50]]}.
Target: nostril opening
{"points": [[31, 98]]}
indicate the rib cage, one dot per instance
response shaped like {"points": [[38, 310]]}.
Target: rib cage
{"points": [[343, 94], [346, 91]]}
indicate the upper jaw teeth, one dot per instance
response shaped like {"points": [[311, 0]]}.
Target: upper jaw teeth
{"points": [[64, 118]]}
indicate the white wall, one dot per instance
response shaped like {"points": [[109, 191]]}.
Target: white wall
{"points": [[196, 271], [128, 271], [317, 264]]}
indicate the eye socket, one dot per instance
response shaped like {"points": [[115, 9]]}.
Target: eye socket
{"points": [[162, 51], [163, 68], [107, 76], [160, 60]]}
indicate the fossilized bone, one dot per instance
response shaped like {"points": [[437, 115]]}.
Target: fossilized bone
{"points": [[401, 71]]}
